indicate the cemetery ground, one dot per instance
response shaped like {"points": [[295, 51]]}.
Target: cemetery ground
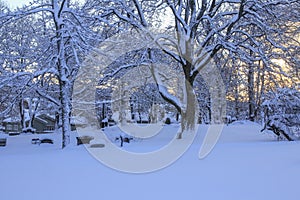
{"points": [[245, 164]]}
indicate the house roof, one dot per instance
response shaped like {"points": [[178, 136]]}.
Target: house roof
{"points": [[43, 121], [78, 120], [47, 117], [12, 120], [44, 118]]}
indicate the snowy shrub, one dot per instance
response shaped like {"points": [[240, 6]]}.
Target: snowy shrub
{"points": [[282, 113]]}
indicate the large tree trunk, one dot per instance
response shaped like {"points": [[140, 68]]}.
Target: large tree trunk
{"points": [[251, 93], [64, 83], [22, 113], [65, 113], [189, 110], [186, 104], [123, 105]]}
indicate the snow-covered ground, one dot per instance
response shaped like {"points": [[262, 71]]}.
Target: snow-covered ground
{"points": [[245, 164]]}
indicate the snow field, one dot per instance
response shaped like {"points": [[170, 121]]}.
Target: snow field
{"points": [[245, 164]]}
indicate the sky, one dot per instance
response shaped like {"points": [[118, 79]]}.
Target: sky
{"points": [[15, 3]]}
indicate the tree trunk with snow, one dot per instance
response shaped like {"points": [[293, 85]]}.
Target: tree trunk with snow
{"points": [[65, 113], [251, 93], [62, 68], [189, 111], [22, 113]]}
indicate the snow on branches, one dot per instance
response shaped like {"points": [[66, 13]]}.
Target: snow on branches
{"points": [[282, 113]]}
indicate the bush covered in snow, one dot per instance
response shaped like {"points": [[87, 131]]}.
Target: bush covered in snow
{"points": [[282, 113]]}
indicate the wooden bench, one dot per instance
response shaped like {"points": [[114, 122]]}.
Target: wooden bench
{"points": [[13, 133], [123, 139], [2, 142], [97, 146], [84, 140], [38, 141], [35, 141], [48, 141]]}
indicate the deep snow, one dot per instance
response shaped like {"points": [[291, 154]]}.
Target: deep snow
{"points": [[245, 164]]}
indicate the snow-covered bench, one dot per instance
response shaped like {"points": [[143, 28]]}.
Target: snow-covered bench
{"points": [[13, 133], [40, 141], [123, 139], [229, 119], [35, 141], [97, 146], [84, 139], [2, 142], [48, 141]]}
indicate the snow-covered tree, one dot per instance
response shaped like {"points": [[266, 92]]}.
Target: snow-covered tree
{"points": [[203, 29], [282, 113], [242, 40], [272, 61], [17, 62], [69, 34]]}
